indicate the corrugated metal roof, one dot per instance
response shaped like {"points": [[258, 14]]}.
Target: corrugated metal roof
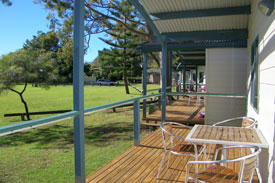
{"points": [[157, 6], [203, 23], [207, 23]]}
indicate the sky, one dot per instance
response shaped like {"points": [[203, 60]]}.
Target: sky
{"points": [[23, 20]]}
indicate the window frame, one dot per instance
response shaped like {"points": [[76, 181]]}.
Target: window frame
{"points": [[254, 76]]}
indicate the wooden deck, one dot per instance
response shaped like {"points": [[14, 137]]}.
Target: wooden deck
{"points": [[179, 111], [141, 164]]}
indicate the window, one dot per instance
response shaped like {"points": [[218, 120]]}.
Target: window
{"points": [[201, 77], [254, 75]]}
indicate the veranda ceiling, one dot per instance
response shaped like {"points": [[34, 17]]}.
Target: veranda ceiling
{"points": [[158, 6], [187, 20]]}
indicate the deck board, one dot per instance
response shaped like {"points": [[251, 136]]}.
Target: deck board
{"points": [[141, 163], [179, 111]]}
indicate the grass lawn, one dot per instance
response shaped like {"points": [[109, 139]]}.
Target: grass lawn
{"points": [[59, 98], [46, 154]]}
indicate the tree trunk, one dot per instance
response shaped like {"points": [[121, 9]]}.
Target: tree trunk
{"points": [[125, 62], [23, 101], [126, 81], [155, 59], [25, 105]]}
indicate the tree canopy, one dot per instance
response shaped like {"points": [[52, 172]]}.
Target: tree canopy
{"points": [[35, 63], [6, 2], [123, 57]]}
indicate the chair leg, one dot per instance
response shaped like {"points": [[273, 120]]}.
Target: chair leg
{"points": [[198, 103], [209, 152], [168, 163], [197, 166], [258, 174], [204, 154], [161, 163]]}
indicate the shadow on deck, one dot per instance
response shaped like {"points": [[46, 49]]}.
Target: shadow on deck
{"points": [[181, 111], [141, 164]]}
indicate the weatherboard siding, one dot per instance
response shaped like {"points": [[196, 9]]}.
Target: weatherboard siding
{"points": [[264, 27]]}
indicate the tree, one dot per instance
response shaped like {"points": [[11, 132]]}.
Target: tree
{"points": [[100, 14], [123, 55], [64, 63], [6, 2], [32, 64]]}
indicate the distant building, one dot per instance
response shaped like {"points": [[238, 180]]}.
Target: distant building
{"points": [[153, 76]]}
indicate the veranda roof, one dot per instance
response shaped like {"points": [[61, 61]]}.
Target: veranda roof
{"points": [[190, 20]]}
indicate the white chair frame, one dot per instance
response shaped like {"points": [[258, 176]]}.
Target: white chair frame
{"points": [[253, 125], [170, 151], [256, 152]]}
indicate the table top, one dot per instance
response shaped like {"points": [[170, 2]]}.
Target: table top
{"points": [[226, 135]]}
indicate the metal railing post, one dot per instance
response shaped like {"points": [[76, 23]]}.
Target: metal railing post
{"points": [[159, 100], [164, 81], [78, 91], [177, 84], [144, 84], [136, 123]]}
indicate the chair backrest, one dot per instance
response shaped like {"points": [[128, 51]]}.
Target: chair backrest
{"points": [[249, 167], [250, 163], [167, 133], [247, 161], [248, 122]]}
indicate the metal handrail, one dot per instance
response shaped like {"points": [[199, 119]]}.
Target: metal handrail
{"points": [[30, 124], [41, 121], [208, 94], [115, 104], [5, 130]]}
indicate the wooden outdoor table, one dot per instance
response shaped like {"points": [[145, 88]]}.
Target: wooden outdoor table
{"points": [[226, 135]]}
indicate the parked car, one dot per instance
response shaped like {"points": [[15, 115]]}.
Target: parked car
{"points": [[105, 82]]}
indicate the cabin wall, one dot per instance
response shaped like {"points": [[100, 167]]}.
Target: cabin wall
{"points": [[225, 74], [264, 27]]}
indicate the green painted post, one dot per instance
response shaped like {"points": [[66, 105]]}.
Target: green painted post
{"points": [[164, 79], [170, 75], [184, 75], [78, 91], [136, 123], [144, 84], [196, 78], [177, 83]]}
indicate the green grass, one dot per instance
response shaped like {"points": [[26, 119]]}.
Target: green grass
{"points": [[59, 98], [46, 154]]}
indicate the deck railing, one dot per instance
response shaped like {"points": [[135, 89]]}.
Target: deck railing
{"points": [[5, 130], [21, 126]]}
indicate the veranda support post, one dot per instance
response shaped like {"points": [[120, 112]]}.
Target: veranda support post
{"points": [[170, 74], [163, 87], [78, 91], [136, 123], [144, 84]]}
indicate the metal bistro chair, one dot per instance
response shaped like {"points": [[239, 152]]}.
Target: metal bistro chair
{"points": [[247, 122], [215, 172], [182, 148]]}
